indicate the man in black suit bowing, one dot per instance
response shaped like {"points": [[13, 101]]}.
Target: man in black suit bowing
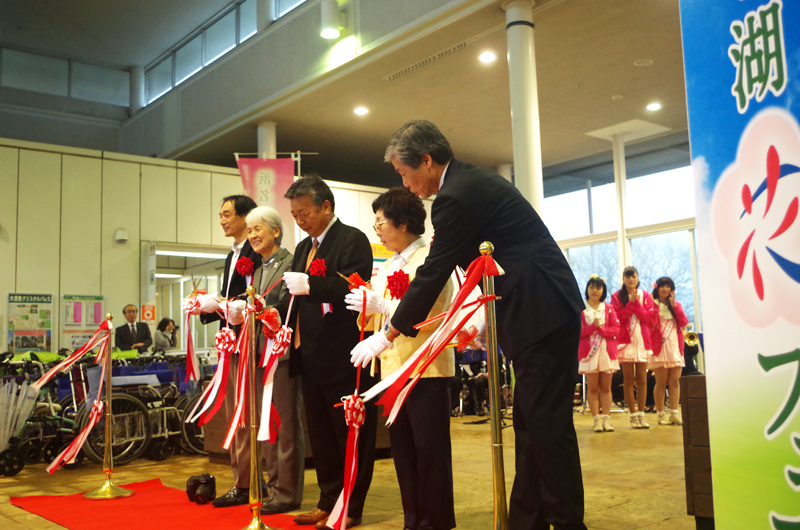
{"points": [[538, 314], [324, 333], [133, 335]]}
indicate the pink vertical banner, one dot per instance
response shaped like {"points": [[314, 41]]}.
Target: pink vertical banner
{"points": [[266, 181], [77, 313], [98, 312]]}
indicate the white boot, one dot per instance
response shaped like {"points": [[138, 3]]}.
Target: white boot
{"points": [[662, 418], [635, 421], [675, 417], [607, 427], [643, 422], [598, 424]]}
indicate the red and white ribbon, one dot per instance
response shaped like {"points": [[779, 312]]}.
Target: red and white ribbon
{"points": [[354, 415], [397, 386], [68, 455], [192, 363], [213, 396], [100, 338]]}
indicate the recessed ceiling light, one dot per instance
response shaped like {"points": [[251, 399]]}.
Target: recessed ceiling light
{"points": [[616, 98], [361, 111], [641, 63], [487, 57], [654, 106]]}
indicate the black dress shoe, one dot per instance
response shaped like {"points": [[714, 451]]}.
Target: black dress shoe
{"points": [[234, 497], [273, 507]]}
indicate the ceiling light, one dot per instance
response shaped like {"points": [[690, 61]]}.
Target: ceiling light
{"points": [[616, 97], [641, 63], [329, 9], [654, 106], [164, 275], [361, 111], [487, 57]]}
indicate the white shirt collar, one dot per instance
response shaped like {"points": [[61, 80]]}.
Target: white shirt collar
{"points": [[400, 259], [441, 179], [320, 237]]}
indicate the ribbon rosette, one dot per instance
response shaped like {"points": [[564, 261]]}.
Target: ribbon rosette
{"points": [[317, 267], [398, 284], [244, 266], [466, 338], [355, 282], [225, 340]]}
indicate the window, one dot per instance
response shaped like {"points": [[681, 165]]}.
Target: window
{"points": [[604, 208], [660, 197], [248, 20], [188, 59], [666, 255], [600, 259], [567, 215], [220, 37], [159, 80], [284, 6], [34, 72]]}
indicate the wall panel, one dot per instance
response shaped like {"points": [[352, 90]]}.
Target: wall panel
{"points": [[9, 165], [194, 191], [222, 186], [120, 269], [81, 202], [159, 197]]}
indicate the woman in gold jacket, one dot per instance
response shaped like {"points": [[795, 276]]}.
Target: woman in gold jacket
{"points": [[420, 435]]}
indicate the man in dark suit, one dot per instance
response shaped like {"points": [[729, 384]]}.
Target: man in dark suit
{"points": [[133, 335], [233, 219], [324, 333], [538, 314]]}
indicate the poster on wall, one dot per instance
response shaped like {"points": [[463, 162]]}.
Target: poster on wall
{"points": [[81, 315], [742, 65], [30, 323]]}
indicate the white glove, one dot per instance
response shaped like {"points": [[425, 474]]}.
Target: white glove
{"points": [[296, 282], [375, 302], [368, 349], [233, 310], [208, 304]]}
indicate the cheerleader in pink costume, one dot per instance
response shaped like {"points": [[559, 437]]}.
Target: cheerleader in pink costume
{"points": [[598, 351], [636, 313], [667, 359]]}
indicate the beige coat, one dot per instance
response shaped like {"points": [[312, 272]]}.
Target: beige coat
{"points": [[404, 347]]}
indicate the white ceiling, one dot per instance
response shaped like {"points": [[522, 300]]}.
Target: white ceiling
{"points": [[585, 54]]}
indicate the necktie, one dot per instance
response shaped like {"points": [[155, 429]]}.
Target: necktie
{"points": [[309, 259], [133, 332]]}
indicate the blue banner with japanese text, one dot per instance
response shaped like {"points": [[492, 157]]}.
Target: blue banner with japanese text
{"points": [[742, 63]]}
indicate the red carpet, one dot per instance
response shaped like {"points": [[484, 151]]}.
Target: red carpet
{"points": [[152, 506]]}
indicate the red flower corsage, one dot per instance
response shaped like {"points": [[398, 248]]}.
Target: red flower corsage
{"points": [[317, 267], [244, 266], [397, 284]]}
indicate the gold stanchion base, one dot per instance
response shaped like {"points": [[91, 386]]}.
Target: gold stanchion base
{"points": [[257, 524], [107, 491]]}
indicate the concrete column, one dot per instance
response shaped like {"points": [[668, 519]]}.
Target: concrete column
{"points": [[138, 96], [524, 101], [506, 171], [265, 14], [267, 140], [620, 177]]}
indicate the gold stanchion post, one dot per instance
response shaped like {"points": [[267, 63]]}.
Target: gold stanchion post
{"points": [[492, 359], [108, 490], [256, 497]]}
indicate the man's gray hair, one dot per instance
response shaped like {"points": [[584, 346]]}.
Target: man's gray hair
{"points": [[414, 140], [316, 189], [269, 216]]}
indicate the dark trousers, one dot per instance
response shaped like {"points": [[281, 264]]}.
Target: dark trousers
{"points": [[327, 432], [420, 438], [548, 487]]}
